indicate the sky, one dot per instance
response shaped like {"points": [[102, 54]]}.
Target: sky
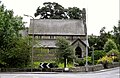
{"points": [[100, 13]]}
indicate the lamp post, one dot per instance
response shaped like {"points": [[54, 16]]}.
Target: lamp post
{"points": [[86, 65], [93, 57], [32, 41]]}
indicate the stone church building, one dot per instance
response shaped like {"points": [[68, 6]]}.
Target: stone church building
{"points": [[46, 31]]}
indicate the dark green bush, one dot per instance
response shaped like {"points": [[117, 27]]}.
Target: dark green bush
{"points": [[99, 54]]}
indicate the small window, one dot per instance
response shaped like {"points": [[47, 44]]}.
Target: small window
{"points": [[52, 37]]}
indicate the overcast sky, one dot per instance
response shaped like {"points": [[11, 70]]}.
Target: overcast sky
{"points": [[99, 12]]}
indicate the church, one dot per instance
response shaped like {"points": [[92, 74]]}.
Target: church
{"points": [[46, 31]]}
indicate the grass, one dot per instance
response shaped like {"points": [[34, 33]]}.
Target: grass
{"points": [[61, 65]]}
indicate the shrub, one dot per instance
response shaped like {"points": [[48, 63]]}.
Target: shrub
{"points": [[80, 62], [36, 64], [109, 45], [89, 60], [105, 60], [99, 54], [114, 54]]}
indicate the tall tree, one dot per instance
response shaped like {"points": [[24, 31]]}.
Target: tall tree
{"points": [[116, 35], [51, 11], [74, 13], [12, 48], [57, 11], [92, 39], [64, 51]]}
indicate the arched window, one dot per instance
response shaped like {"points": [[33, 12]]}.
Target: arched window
{"points": [[78, 52]]}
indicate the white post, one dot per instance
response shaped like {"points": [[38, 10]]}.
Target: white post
{"points": [[86, 65], [66, 69], [32, 41]]}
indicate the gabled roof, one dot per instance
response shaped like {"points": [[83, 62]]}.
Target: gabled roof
{"points": [[85, 43], [57, 27]]}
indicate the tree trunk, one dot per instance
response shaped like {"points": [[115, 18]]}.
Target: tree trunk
{"points": [[64, 62]]}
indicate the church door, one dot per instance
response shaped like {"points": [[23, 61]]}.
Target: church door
{"points": [[78, 52]]}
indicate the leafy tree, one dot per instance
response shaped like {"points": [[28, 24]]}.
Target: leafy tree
{"points": [[74, 13], [56, 11], [103, 38], [92, 39], [98, 42], [18, 55], [14, 51], [64, 51], [51, 11], [116, 35], [109, 45]]}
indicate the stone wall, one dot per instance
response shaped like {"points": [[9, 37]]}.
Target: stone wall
{"points": [[114, 64], [75, 69], [90, 68]]}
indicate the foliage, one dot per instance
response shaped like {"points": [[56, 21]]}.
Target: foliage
{"points": [[89, 60], [56, 11], [14, 50], [105, 60], [64, 51], [109, 45], [118, 47], [69, 65], [51, 11], [18, 55], [99, 54], [36, 64], [104, 36], [98, 42], [80, 62], [93, 42], [114, 54], [74, 13], [9, 27], [116, 35]]}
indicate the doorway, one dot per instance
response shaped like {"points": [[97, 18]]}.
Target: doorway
{"points": [[78, 52]]}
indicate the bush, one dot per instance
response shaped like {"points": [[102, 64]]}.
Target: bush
{"points": [[36, 64], [109, 45], [89, 60], [80, 62], [105, 60], [114, 54], [99, 54]]}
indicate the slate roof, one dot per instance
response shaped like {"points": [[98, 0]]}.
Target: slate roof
{"points": [[57, 27]]}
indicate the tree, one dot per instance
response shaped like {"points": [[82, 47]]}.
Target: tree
{"points": [[57, 11], [18, 55], [109, 45], [92, 39], [14, 51], [64, 51], [116, 35], [74, 13], [51, 11]]}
